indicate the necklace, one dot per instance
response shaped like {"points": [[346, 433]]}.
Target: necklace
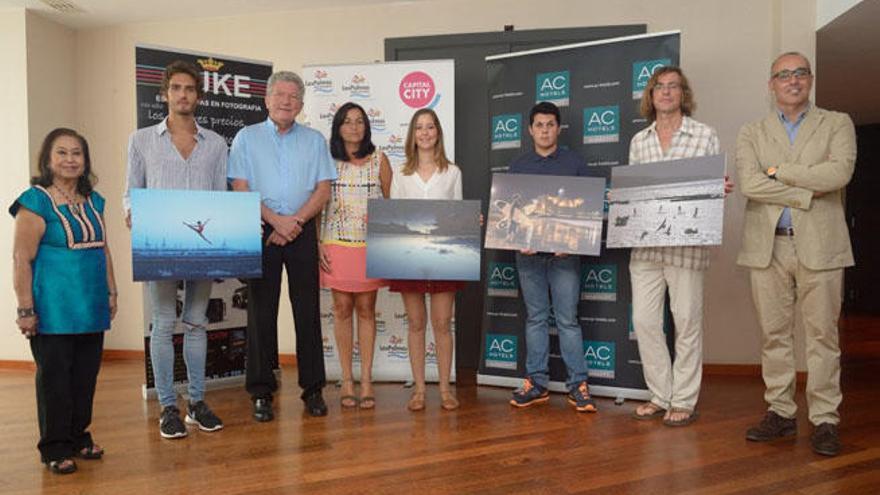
{"points": [[71, 202]]}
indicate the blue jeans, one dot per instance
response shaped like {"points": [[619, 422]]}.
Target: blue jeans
{"points": [[541, 277], [163, 299]]}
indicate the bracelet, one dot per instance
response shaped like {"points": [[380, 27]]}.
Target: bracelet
{"points": [[26, 312]]}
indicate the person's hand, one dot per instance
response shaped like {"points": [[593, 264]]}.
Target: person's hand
{"points": [[560, 255], [527, 252], [276, 239], [818, 194], [324, 259], [27, 325], [128, 220], [288, 226], [113, 306], [728, 185], [481, 220]]}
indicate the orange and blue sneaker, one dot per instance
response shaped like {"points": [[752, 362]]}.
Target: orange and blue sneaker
{"points": [[580, 398], [529, 394]]}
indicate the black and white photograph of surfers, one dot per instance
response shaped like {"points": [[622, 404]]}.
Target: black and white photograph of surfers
{"points": [[420, 239], [192, 235], [546, 213]]}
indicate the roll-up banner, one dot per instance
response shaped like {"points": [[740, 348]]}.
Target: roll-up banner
{"points": [[597, 87], [389, 93], [233, 98]]}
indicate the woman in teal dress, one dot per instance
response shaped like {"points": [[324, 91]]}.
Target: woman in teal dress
{"points": [[63, 279]]}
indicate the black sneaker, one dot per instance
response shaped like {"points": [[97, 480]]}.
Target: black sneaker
{"points": [[773, 426], [825, 440], [170, 424], [529, 394], [263, 409], [580, 398], [200, 414]]}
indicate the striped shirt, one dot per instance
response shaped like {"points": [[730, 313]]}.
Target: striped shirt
{"points": [[692, 139], [155, 163]]}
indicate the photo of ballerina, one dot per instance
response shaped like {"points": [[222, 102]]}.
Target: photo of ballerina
{"points": [[672, 203], [418, 239], [192, 235], [546, 213]]}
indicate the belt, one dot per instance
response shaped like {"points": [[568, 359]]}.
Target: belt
{"points": [[786, 231]]}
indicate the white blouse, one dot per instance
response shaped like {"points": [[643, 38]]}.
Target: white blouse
{"points": [[445, 185]]}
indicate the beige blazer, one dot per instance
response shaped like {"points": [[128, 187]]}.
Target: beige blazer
{"points": [[821, 160]]}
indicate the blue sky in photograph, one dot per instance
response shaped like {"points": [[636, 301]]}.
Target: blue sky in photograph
{"points": [[232, 219]]}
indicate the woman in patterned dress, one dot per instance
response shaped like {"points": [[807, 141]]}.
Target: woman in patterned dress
{"points": [[364, 173], [63, 279]]}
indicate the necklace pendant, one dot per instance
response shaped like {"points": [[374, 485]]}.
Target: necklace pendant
{"points": [[74, 208]]}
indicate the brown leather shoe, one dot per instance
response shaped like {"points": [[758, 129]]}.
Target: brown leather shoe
{"points": [[825, 440], [773, 426]]}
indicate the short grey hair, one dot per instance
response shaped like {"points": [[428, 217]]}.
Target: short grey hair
{"points": [[286, 76], [787, 54]]}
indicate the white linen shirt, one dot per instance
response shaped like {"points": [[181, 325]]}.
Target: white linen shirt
{"points": [[692, 139], [441, 185]]}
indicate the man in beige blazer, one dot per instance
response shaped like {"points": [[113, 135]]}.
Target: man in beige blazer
{"points": [[793, 166]]}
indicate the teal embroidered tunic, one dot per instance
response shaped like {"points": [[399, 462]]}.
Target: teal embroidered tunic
{"points": [[70, 269]]}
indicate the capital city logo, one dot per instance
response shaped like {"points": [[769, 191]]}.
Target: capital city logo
{"points": [[395, 348], [601, 358], [642, 71], [417, 90], [506, 131], [320, 83], [393, 148], [599, 282], [377, 120], [501, 351], [357, 87], [602, 124], [503, 280], [552, 87]]}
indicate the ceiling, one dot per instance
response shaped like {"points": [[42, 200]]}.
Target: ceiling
{"points": [[83, 14], [848, 63]]}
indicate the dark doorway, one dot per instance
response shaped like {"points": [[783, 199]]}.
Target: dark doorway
{"points": [[864, 224], [472, 133]]}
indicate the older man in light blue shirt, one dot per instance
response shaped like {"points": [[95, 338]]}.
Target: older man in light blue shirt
{"points": [[291, 167]]}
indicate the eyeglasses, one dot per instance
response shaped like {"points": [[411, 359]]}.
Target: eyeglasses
{"points": [[800, 73], [669, 86]]}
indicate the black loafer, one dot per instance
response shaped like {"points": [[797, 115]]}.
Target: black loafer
{"points": [[315, 405], [263, 409]]}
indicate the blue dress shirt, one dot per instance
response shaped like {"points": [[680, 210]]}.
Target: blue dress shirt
{"points": [[791, 128], [284, 168]]}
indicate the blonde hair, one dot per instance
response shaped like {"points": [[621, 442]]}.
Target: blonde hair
{"points": [[412, 153]]}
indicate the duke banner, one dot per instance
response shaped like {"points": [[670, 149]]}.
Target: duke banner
{"points": [[233, 98], [598, 87], [389, 93]]}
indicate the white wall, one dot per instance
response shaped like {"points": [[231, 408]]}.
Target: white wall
{"points": [[828, 10], [14, 143], [726, 51]]}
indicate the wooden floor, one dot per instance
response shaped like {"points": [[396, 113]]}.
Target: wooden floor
{"points": [[486, 447]]}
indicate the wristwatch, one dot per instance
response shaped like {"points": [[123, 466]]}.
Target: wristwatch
{"points": [[26, 312]]}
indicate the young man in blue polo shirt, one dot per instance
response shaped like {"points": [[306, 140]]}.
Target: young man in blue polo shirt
{"points": [[551, 279]]}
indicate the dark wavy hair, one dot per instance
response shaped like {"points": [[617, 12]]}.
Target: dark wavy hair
{"points": [[86, 181], [337, 146], [181, 67], [546, 108]]}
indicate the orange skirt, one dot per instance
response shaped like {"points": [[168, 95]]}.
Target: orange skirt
{"points": [[348, 270]]}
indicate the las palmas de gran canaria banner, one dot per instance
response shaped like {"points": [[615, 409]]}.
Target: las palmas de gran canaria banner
{"points": [[233, 98], [389, 93], [598, 87]]}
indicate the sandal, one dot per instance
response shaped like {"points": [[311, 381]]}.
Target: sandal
{"points": [[367, 402], [655, 411], [349, 400], [692, 416], [90, 452], [416, 402], [448, 401], [63, 466]]}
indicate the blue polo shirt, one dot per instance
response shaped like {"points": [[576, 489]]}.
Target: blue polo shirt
{"points": [[561, 162], [283, 168]]}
